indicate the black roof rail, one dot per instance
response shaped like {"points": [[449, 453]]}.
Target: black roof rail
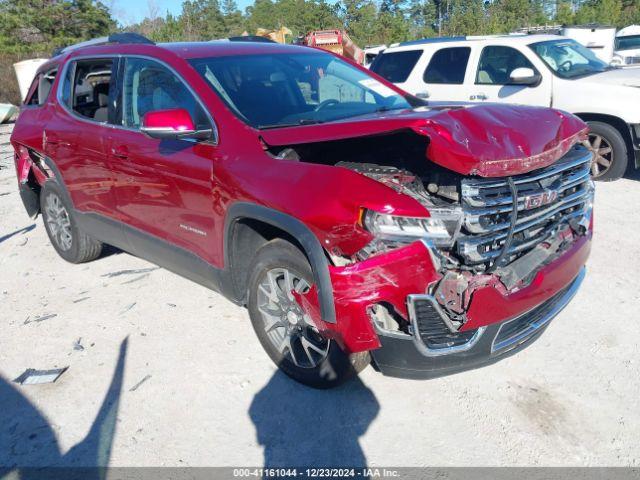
{"points": [[122, 38], [250, 38]]}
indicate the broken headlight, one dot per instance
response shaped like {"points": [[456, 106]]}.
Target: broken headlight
{"points": [[440, 228]]}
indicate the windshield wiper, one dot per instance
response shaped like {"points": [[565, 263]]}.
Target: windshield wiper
{"points": [[302, 121]]}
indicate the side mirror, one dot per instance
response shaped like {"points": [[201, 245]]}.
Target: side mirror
{"points": [[172, 124], [524, 76]]}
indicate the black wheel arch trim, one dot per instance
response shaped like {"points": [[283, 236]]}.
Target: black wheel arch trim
{"points": [[298, 230]]}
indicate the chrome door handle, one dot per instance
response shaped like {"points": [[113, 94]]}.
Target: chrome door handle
{"points": [[422, 94]]}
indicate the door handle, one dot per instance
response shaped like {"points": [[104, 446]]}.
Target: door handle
{"points": [[424, 95], [479, 96], [120, 152]]}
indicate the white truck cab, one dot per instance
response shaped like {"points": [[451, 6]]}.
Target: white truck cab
{"points": [[544, 70], [627, 47]]}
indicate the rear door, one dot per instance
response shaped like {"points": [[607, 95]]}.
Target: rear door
{"points": [[491, 78], [444, 76], [76, 135], [164, 187]]}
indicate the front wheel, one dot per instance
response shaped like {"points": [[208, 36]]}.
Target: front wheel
{"points": [[288, 335], [610, 156]]}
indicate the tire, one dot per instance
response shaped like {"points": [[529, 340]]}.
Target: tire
{"points": [[610, 148], [68, 240], [314, 361]]}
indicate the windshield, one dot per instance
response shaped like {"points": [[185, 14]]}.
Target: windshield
{"points": [[630, 42], [275, 90], [569, 59]]}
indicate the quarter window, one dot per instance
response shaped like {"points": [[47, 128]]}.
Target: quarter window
{"points": [[497, 63], [149, 86], [41, 87], [448, 66]]}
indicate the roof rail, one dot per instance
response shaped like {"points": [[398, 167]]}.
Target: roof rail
{"points": [[431, 40], [123, 38]]}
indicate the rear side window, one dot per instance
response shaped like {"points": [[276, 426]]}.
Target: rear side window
{"points": [[496, 64], [90, 88], [448, 65], [149, 86], [396, 66], [40, 88]]}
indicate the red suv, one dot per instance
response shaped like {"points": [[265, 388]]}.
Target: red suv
{"points": [[357, 223]]}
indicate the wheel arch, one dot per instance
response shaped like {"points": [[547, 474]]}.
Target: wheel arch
{"points": [[248, 226], [616, 122]]}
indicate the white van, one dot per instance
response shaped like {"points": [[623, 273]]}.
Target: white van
{"points": [[545, 70]]}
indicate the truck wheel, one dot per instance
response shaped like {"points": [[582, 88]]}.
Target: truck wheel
{"points": [[609, 149], [71, 244], [288, 335]]}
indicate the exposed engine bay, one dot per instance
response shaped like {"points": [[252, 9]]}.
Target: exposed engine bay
{"points": [[501, 230]]}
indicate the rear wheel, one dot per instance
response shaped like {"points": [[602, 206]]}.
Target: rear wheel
{"points": [[610, 155], [289, 335], [69, 241]]}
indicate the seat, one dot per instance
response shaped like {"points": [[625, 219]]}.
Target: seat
{"points": [[102, 101]]}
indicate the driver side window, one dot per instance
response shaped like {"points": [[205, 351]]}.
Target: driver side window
{"points": [[497, 63], [149, 86]]}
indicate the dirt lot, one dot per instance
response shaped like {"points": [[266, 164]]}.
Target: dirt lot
{"points": [[163, 372]]}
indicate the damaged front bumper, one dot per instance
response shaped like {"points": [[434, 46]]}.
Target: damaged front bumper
{"points": [[498, 321], [406, 356]]}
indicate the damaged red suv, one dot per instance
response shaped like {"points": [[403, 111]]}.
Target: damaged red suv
{"points": [[357, 223]]}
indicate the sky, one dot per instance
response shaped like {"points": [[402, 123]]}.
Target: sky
{"points": [[132, 11]]}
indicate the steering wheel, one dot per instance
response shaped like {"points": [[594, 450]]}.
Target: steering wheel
{"points": [[568, 66], [326, 103]]}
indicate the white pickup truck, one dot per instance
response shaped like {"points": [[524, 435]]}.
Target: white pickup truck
{"points": [[545, 70]]}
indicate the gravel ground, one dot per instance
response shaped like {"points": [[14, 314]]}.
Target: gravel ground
{"points": [[163, 372]]}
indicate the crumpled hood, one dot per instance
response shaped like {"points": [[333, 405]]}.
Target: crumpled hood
{"points": [[489, 140]]}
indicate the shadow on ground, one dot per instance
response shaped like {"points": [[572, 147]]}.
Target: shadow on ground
{"points": [[22, 231], [300, 426], [28, 442]]}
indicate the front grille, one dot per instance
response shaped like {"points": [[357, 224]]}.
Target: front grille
{"points": [[431, 327], [517, 330], [632, 60], [546, 198]]}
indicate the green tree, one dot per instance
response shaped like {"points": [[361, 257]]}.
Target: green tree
{"points": [[31, 25]]}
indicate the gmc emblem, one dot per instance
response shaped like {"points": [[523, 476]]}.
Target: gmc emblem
{"points": [[540, 199]]}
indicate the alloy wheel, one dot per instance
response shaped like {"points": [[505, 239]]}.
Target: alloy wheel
{"points": [[289, 329], [58, 222], [602, 154]]}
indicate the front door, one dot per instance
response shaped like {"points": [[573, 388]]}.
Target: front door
{"points": [[164, 187], [491, 82]]}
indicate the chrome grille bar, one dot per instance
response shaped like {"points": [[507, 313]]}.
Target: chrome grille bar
{"points": [[564, 190]]}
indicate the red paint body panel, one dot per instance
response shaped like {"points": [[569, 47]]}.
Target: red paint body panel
{"points": [[159, 187]]}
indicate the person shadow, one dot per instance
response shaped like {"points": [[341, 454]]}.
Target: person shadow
{"points": [[303, 427], [29, 446]]}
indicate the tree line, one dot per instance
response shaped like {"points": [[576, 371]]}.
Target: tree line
{"points": [[28, 26]]}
